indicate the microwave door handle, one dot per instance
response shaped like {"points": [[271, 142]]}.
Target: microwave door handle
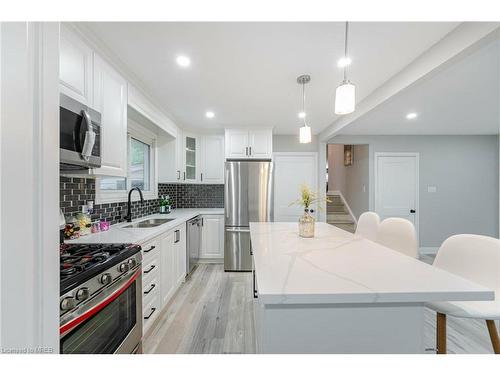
{"points": [[88, 143]]}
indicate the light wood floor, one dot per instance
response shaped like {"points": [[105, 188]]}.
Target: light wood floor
{"points": [[212, 313]]}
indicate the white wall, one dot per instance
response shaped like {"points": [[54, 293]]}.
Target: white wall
{"points": [[290, 143], [352, 181], [336, 169], [29, 175], [465, 170], [358, 181]]}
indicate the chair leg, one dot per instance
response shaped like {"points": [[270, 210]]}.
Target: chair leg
{"points": [[441, 333], [495, 340]]}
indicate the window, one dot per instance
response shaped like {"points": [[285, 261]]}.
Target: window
{"points": [[140, 170]]}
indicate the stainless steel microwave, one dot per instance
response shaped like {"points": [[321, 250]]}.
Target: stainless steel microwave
{"points": [[79, 135]]}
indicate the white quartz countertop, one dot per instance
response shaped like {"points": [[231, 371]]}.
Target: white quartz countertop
{"points": [[338, 267], [118, 234]]}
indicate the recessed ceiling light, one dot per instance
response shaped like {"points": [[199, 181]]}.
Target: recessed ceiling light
{"points": [[302, 115], [344, 61], [411, 116], [210, 114], [183, 61]]}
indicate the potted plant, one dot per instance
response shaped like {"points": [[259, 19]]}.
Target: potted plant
{"points": [[306, 221], [165, 204]]}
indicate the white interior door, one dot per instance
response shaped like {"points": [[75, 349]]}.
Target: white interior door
{"points": [[396, 185], [291, 170]]}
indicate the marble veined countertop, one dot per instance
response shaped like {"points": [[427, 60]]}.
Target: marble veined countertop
{"points": [[118, 234], [338, 267]]}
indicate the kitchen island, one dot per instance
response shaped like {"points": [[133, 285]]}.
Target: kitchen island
{"points": [[340, 293]]}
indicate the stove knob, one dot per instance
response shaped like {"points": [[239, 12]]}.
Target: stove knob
{"points": [[123, 267], [132, 263], [105, 278], [82, 294], [67, 303]]}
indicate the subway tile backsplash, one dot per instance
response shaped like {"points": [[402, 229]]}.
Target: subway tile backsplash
{"points": [[76, 191]]}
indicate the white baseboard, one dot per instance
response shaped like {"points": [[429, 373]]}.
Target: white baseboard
{"points": [[428, 250]]}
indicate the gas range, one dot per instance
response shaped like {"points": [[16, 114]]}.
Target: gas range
{"points": [[100, 298], [81, 262]]}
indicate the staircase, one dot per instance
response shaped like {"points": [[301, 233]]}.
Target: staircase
{"points": [[338, 215]]}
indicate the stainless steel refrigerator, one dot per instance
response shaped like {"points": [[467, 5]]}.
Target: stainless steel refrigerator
{"points": [[248, 198]]}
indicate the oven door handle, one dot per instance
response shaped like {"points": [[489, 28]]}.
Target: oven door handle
{"points": [[101, 305]]}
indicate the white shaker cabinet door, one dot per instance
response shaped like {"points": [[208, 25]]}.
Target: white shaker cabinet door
{"points": [[167, 269], [75, 67], [212, 163], [110, 99], [212, 236], [260, 144], [236, 144], [180, 252]]}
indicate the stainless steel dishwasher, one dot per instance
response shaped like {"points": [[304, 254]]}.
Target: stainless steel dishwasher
{"points": [[193, 229]]}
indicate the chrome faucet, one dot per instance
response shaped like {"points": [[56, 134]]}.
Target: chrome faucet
{"points": [[128, 217]]}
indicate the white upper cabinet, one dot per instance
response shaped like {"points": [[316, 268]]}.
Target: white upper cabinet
{"points": [[75, 67], [191, 149], [260, 144], [212, 159], [236, 144], [191, 158], [110, 99], [252, 144]]}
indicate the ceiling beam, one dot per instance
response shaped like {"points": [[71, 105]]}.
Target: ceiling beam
{"points": [[457, 41]]}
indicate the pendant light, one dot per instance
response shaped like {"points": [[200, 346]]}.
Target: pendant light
{"points": [[345, 95], [305, 131]]}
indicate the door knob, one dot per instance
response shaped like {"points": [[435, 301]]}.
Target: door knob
{"points": [[412, 211]]}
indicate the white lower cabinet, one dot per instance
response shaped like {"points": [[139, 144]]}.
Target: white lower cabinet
{"points": [[167, 267], [212, 237], [163, 271]]}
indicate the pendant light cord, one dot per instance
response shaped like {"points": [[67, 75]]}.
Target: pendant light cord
{"points": [[345, 48], [304, 101]]}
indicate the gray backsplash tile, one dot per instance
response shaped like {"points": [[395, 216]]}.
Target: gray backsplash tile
{"points": [[76, 191]]}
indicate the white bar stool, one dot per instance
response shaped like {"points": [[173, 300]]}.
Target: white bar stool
{"points": [[476, 258]]}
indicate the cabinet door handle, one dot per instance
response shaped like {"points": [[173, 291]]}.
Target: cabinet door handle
{"points": [[250, 150], [178, 175], [255, 294], [150, 249], [184, 176], [150, 289], [202, 176], [153, 309], [150, 269], [177, 236], [246, 151]]}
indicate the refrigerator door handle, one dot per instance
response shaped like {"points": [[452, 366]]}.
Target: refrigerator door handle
{"points": [[238, 230]]}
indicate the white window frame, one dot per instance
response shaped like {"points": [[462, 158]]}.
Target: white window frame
{"points": [[144, 135]]}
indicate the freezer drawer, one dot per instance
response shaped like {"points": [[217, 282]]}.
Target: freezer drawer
{"points": [[237, 256]]}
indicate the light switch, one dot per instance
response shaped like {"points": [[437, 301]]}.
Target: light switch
{"points": [[431, 189]]}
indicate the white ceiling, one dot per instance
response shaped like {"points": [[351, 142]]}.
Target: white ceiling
{"points": [[461, 98], [246, 72]]}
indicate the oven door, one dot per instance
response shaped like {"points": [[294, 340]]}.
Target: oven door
{"points": [[111, 322], [79, 135]]}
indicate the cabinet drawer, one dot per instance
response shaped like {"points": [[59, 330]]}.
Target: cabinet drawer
{"points": [[150, 287], [150, 249], [150, 311], [150, 266]]}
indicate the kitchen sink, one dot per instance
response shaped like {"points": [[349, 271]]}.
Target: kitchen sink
{"points": [[149, 223]]}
